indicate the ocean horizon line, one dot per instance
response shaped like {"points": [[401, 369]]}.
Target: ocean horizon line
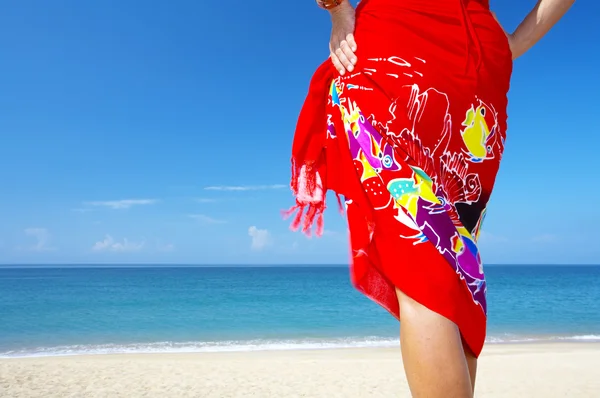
{"points": [[109, 308], [233, 265]]}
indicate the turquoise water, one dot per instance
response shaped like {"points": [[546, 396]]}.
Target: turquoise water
{"points": [[74, 310]]}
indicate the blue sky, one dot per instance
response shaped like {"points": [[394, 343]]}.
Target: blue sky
{"points": [[161, 133]]}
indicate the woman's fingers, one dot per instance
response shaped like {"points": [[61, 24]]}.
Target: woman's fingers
{"points": [[348, 54], [351, 42], [342, 54], [344, 60], [336, 62], [341, 44]]}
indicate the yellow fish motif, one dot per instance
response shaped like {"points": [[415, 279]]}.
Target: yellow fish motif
{"points": [[407, 191], [476, 133], [425, 186], [368, 171]]}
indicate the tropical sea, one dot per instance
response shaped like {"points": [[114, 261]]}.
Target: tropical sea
{"points": [[68, 310]]}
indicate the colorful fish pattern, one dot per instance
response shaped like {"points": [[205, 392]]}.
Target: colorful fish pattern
{"points": [[433, 189]]}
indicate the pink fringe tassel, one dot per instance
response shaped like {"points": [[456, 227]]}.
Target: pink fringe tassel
{"points": [[314, 210], [314, 215]]}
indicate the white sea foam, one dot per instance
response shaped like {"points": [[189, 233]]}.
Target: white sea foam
{"points": [[209, 346], [260, 345]]}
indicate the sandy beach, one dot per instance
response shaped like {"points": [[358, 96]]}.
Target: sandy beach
{"points": [[523, 370]]}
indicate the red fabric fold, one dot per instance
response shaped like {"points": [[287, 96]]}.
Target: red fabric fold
{"points": [[309, 159], [309, 152], [399, 138]]}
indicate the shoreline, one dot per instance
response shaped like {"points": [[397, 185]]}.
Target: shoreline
{"points": [[282, 346], [491, 348], [505, 370]]}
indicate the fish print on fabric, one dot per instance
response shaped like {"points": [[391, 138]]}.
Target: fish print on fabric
{"points": [[435, 191]]}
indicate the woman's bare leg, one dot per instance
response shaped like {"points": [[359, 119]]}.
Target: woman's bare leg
{"points": [[432, 352], [472, 364]]}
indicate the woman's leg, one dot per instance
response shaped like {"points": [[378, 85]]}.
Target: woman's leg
{"points": [[432, 352], [472, 364]]}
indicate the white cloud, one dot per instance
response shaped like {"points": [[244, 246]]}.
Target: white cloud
{"points": [[486, 237], [122, 204], [245, 187], [206, 219], [81, 210], [335, 236], [42, 237], [545, 238], [260, 238], [110, 245], [169, 247], [205, 200], [163, 247]]}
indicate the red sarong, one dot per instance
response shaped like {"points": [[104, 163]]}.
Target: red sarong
{"points": [[412, 139]]}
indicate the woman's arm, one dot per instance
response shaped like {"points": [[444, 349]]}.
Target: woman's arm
{"points": [[342, 44], [536, 24]]}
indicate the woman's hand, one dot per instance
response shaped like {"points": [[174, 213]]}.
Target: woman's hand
{"points": [[342, 45]]}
